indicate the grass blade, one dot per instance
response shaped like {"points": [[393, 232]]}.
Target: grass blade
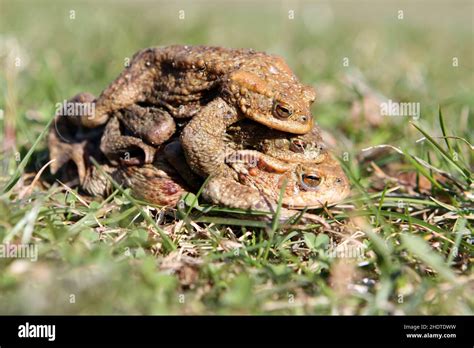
{"points": [[460, 230], [19, 170], [443, 130], [418, 247], [449, 158]]}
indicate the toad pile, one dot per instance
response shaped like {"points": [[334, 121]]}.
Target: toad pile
{"points": [[237, 120]]}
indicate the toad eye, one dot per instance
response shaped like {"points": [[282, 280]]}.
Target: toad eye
{"points": [[310, 181], [297, 145], [282, 110]]}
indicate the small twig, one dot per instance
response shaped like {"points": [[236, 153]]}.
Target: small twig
{"points": [[27, 191]]}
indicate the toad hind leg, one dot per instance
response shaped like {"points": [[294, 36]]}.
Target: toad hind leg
{"points": [[154, 125], [132, 86], [122, 149], [156, 183]]}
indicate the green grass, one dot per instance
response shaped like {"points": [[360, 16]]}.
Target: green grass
{"points": [[120, 255]]}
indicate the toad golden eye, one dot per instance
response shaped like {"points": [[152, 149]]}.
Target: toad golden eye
{"points": [[310, 181], [282, 110]]}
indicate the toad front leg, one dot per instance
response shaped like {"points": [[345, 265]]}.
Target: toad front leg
{"points": [[225, 191], [203, 138]]}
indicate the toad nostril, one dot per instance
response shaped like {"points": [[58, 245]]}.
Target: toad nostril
{"points": [[304, 119]]}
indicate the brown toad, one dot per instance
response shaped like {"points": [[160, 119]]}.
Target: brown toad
{"points": [[252, 180], [258, 160], [183, 79], [261, 178], [258, 187], [188, 81], [249, 135]]}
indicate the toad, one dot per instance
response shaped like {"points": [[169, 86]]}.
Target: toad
{"points": [[249, 135], [253, 179], [260, 179], [214, 85], [258, 186]]}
